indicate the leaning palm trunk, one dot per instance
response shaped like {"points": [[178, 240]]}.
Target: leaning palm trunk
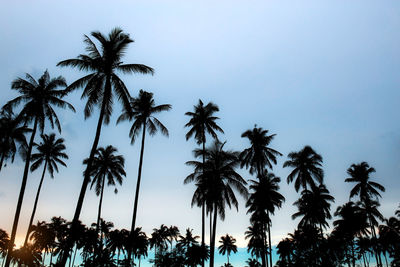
{"points": [[99, 218], [21, 195], [213, 233], [137, 187], [35, 205], [203, 209], [86, 178]]}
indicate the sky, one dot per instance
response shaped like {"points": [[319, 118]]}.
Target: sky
{"points": [[319, 73]]}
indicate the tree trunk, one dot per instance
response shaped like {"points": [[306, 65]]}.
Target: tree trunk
{"points": [[203, 211], [73, 261], [137, 186], [269, 242], [21, 195], [212, 243], [3, 155], [35, 205], [86, 179], [99, 217]]}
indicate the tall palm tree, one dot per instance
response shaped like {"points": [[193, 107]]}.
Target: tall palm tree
{"points": [[39, 98], [202, 122], [256, 245], [142, 111], [12, 136], [306, 166], [218, 178], [106, 166], [227, 245], [368, 192], [104, 63], [258, 155], [262, 202], [50, 152]]}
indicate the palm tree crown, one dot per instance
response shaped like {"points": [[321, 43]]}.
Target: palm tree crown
{"points": [[227, 245], [258, 155], [306, 168]]}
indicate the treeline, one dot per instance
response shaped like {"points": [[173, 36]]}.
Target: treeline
{"points": [[357, 234]]}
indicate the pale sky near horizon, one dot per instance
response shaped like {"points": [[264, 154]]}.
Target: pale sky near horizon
{"points": [[319, 73]]}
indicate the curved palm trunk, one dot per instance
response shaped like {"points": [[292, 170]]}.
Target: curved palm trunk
{"points": [[21, 195], [86, 178], [203, 212], [213, 233], [35, 205], [99, 217], [137, 186]]}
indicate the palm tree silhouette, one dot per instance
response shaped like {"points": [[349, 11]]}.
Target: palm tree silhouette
{"points": [[306, 168], [217, 177], [106, 166], [202, 122], [368, 191], [256, 245], [4, 239], [314, 207], [12, 136], [38, 97], [258, 155], [188, 240], [100, 86], [262, 202], [142, 111], [227, 245], [50, 152]]}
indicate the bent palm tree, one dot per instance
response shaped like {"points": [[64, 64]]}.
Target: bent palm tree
{"points": [[99, 87], [306, 168], [141, 111], [202, 121], [51, 153], [258, 155], [39, 98], [227, 245], [12, 137]]}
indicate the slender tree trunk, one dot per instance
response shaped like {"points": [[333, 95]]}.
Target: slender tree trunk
{"points": [[21, 195], [3, 155], [35, 205], [99, 216], [363, 256], [377, 254], [86, 179], [203, 210], [269, 242], [214, 230], [73, 261], [265, 245], [227, 254], [138, 186]]}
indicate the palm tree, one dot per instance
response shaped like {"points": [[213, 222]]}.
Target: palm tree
{"points": [[306, 168], [188, 240], [368, 192], [106, 166], [100, 86], [262, 202], [227, 245], [12, 136], [39, 98], [314, 207], [202, 122], [217, 177], [256, 245], [50, 152], [258, 155], [142, 111], [4, 239], [173, 234], [252, 263]]}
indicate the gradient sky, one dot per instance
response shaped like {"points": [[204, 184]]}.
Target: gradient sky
{"points": [[319, 73]]}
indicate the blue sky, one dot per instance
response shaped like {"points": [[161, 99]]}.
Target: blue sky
{"points": [[322, 73]]}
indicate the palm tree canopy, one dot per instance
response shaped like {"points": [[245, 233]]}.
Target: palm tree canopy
{"points": [[227, 245], [106, 165], [365, 188], [265, 196], [202, 122], [187, 240], [104, 62], [314, 206], [50, 150], [258, 155], [142, 110], [352, 220], [217, 178], [39, 97], [12, 135], [306, 168]]}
